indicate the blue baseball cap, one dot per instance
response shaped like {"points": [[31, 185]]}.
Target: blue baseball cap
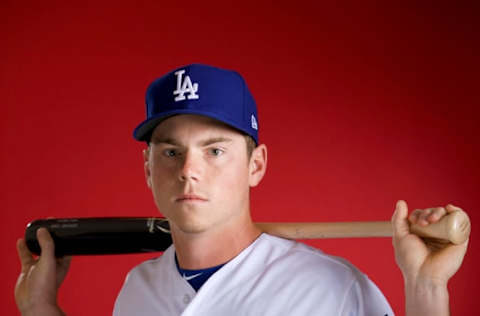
{"points": [[203, 90]]}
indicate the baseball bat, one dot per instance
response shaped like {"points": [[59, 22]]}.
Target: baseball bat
{"points": [[121, 235]]}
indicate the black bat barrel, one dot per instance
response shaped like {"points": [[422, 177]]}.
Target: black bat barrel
{"points": [[102, 235]]}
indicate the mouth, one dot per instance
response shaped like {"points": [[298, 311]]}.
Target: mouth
{"points": [[190, 198]]}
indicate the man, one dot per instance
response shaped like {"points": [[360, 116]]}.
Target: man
{"points": [[203, 157]]}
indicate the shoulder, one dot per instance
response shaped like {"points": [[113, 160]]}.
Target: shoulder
{"points": [[295, 277], [302, 264], [308, 260], [147, 278], [152, 269], [153, 288], [306, 272]]}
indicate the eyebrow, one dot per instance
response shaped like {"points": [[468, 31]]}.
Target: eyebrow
{"points": [[203, 143], [215, 140], [169, 141]]}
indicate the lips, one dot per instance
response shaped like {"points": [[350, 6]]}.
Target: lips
{"points": [[190, 198]]}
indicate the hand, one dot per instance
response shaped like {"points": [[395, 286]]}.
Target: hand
{"points": [[40, 278], [424, 259]]}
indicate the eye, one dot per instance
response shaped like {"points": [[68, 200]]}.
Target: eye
{"points": [[216, 151], [170, 152]]}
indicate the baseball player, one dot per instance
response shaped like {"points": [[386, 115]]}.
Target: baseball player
{"points": [[203, 155]]}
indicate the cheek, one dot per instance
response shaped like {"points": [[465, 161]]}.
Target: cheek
{"points": [[163, 181], [233, 182]]}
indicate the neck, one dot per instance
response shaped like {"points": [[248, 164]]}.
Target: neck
{"points": [[214, 247]]}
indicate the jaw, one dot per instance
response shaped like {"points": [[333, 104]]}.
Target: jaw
{"points": [[198, 247]]}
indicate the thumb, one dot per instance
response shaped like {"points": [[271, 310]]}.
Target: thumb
{"points": [[47, 245], [400, 224]]}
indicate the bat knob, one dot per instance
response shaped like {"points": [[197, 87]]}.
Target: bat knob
{"points": [[459, 227], [453, 227]]}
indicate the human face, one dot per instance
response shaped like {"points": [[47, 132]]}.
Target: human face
{"points": [[198, 171]]}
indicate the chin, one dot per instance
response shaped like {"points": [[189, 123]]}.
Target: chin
{"points": [[190, 222], [192, 227]]}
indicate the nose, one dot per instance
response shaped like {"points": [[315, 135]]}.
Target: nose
{"points": [[190, 168]]}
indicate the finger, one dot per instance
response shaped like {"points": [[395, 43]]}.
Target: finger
{"points": [[422, 217], [436, 214], [64, 262], [414, 216], [47, 245], [399, 220], [25, 256], [452, 208]]}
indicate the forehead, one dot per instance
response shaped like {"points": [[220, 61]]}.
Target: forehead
{"points": [[193, 126]]}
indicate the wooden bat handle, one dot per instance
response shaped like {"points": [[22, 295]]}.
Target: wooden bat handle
{"points": [[453, 227]]}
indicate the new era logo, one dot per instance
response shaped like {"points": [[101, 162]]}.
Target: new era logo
{"points": [[254, 123], [185, 87]]}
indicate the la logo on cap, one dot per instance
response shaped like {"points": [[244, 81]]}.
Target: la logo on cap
{"points": [[185, 87]]}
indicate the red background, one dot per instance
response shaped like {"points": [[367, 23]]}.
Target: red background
{"points": [[360, 105]]}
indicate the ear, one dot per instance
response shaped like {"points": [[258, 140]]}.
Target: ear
{"points": [[146, 167], [258, 165]]}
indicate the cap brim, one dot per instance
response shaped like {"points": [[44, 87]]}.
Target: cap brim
{"points": [[144, 129]]}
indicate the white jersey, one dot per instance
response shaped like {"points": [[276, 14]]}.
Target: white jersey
{"points": [[273, 276]]}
